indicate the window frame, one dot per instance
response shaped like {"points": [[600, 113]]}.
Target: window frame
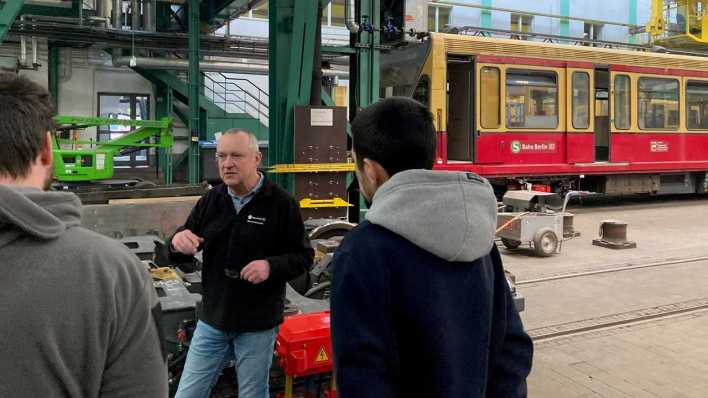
{"points": [[558, 87], [677, 80], [572, 99], [614, 101], [132, 161], [519, 26], [685, 88], [434, 10], [500, 102]]}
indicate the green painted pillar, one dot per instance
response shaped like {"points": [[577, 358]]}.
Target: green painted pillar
{"points": [[163, 108], [53, 74], [369, 56], [367, 79], [486, 19], [194, 77], [632, 18], [290, 76], [565, 23]]}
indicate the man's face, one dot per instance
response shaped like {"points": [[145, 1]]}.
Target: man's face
{"points": [[237, 162], [366, 186]]}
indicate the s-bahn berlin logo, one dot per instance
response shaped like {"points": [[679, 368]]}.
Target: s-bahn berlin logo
{"points": [[532, 147], [515, 146]]}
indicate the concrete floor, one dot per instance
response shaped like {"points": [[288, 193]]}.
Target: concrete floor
{"points": [[662, 230], [659, 358]]}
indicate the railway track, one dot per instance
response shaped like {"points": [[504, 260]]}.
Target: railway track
{"points": [[616, 320], [611, 269]]}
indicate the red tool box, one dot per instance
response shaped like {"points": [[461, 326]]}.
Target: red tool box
{"points": [[304, 348]]}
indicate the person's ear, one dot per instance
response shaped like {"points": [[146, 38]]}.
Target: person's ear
{"points": [[375, 172], [46, 155]]}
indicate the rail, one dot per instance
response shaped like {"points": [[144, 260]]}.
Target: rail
{"points": [[237, 95]]}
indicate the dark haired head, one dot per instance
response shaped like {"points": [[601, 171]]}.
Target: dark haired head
{"points": [[26, 113], [397, 132]]}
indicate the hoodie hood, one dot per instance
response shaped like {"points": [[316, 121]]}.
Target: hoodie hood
{"points": [[41, 214], [452, 215]]}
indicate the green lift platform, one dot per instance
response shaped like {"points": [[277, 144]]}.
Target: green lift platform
{"points": [[79, 161]]}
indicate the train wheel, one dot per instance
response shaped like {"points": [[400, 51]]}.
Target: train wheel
{"points": [[545, 242]]}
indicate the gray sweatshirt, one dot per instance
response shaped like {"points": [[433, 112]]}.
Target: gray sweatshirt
{"points": [[77, 310], [457, 225]]}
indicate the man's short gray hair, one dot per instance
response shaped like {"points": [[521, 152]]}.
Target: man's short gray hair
{"points": [[252, 139]]}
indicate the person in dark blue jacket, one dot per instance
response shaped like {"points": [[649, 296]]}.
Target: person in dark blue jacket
{"points": [[420, 303]]}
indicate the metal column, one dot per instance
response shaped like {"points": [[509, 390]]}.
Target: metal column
{"points": [[53, 74], [364, 78], [163, 109], [368, 60], [293, 27], [194, 77]]}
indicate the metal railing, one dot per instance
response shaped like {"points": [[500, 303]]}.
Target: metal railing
{"points": [[237, 95]]}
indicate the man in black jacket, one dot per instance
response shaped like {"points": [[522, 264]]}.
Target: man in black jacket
{"points": [[420, 303], [253, 242]]}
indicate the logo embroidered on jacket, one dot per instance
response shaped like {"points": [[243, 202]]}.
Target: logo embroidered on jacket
{"points": [[255, 220]]}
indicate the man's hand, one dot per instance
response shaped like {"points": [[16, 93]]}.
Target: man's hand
{"points": [[186, 242], [256, 271]]}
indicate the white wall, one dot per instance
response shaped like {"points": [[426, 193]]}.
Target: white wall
{"points": [[83, 74]]}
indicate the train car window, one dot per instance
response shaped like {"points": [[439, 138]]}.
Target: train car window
{"points": [[658, 102], [490, 97], [581, 100], [697, 105], [531, 99], [422, 91], [622, 103]]}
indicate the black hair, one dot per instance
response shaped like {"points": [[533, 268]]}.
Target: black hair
{"points": [[397, 132], [26, 112]]}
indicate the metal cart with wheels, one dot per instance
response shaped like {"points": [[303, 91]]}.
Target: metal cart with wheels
{"points": [[534, 221]]}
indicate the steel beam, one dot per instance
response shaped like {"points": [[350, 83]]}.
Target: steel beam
{"points": [[290, 76], [163, 109], [53, 74], [8, 14], [194, 76], [60, 10], [368, 61], [365, 79]]}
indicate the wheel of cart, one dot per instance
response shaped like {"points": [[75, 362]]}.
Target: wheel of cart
{"points": [[545, 242]]}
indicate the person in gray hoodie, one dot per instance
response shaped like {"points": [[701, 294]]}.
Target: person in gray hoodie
{"points": [[79, 313], [420, 303]]}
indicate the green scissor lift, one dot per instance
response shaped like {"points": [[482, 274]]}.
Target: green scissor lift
{"points": [[73, 164]]}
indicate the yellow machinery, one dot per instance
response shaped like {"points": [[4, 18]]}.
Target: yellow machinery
{"points": [[679, 23]]}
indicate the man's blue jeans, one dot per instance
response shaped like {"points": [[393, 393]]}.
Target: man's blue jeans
{"points": [[211, 348]]}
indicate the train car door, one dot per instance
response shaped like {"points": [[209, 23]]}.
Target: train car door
{"points": [[580, 121], [460, 105], [490, 112], [602, 115]]}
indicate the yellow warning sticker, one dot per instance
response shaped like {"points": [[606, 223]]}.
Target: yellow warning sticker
{"points": [[322, 356]]}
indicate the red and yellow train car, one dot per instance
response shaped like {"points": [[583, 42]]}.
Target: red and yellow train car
{"points": [[608, 120]]}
